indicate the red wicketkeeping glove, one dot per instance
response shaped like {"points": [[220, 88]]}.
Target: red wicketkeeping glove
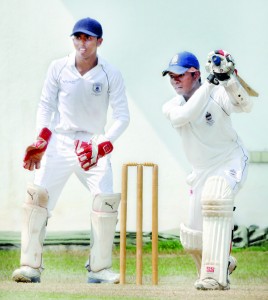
{"points": [[35, 152], [89, 153]]}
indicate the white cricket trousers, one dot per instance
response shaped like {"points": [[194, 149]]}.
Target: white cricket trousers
{"points": [[233, 170], [60, 162]]}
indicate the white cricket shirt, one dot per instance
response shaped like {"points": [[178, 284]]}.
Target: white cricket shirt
{"points": [[205, 126], [71, 102]]}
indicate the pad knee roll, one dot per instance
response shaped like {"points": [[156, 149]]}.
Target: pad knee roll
{"points": [[106, 202], [33, 226], [36, 195]]}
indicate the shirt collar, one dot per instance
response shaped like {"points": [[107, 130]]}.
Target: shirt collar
{"points": [[71, 61]]}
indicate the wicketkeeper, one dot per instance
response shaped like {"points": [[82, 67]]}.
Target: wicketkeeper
{"points": [[201, 115], [71, 139]]}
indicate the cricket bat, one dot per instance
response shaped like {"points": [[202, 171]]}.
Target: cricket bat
{"points": [[249, 90]]}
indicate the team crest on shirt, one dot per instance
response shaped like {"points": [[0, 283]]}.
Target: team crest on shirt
{"points": [[97, 87], [209, 119]]}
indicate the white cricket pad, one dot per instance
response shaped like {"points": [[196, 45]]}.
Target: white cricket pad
{"points": [[192, 243], [33, 226], [217, 209], [106, 202], [103, 223]]}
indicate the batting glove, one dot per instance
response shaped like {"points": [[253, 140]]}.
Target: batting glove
{"points": [[89, 153], [35, 152], [220, 66]]}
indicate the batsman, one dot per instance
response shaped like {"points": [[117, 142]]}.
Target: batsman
{"points": [[201, 114], [73, 138]]}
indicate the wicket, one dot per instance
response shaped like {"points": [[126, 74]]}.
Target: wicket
{"points": [[139, 227]]}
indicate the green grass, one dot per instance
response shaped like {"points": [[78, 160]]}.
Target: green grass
{"points": [[172, 261], [66, 267]]}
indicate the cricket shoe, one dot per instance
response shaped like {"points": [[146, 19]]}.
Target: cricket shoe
{"points": [[232, 264], [210, 284], [26, 274], [103, 276]]}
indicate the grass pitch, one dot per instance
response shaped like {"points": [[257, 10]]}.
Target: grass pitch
{"points": [[65, 276]]}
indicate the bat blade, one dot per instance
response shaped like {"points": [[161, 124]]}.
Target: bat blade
{"points": [[248, 89]]}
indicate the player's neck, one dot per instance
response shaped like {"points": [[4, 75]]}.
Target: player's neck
{"points": [[190, 94], [83, 65]]}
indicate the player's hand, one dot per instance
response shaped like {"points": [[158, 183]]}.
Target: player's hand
{"points": [[220, 65], [35, 152], [89, 153]]}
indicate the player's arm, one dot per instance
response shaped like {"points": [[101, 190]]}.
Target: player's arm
{"points": [[238, 95], [119, 105], [221, 69], [49, 95], [180, 115], [46, 108]]}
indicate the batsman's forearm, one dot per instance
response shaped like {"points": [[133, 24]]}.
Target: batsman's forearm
{"points": [[181, 115], [238, 95]]}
